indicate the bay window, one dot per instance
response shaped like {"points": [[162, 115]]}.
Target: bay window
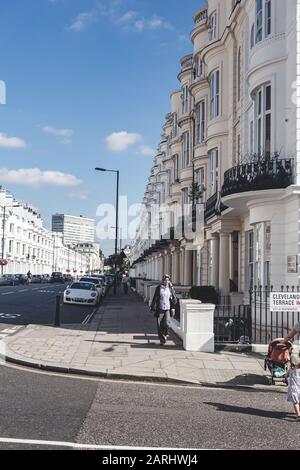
{"points": [[263, 120], [213, 26], [200, 122], [185, 99], [186, 149], [263, 22], [199, 179], [215, 94], [214, 171], [176, 167]]}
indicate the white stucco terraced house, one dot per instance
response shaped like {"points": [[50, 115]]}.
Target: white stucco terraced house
{"points": [[27, 245], [233, 128]]}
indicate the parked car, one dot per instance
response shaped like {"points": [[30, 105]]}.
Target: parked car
{"points": [[68, 278], [9, 280], [81, 293], [97, 282], [23, 279], [57, 277], [45, 278], [36, 279]]}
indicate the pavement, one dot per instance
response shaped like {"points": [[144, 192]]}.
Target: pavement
{"points": [[120, 342]]}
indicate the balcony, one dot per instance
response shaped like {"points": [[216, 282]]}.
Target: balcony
{"points": [[200, 17], [268, 173], [214, 206]]}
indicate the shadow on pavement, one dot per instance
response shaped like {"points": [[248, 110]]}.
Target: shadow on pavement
{"points": [[251, 411]]}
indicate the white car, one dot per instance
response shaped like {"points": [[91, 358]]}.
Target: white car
{"points": [[96, 281], [81, 293]]}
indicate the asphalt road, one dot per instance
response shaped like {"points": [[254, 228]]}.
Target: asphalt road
{"points": [[41, 407], [35, 304]]}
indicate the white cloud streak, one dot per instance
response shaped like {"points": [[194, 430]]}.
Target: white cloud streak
{"points": [[64, 136], [37, 177], [11, 142], [120, 141], [146, 151], [128, 20]]}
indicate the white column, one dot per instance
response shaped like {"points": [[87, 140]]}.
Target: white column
{"points": [[188, 261], [214, 262], [224, 263]]}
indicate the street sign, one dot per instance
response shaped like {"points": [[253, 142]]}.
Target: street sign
{"points": [[3, 262], [284, 301]]}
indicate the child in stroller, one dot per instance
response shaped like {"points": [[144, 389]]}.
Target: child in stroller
{"points": [[278, 359]]}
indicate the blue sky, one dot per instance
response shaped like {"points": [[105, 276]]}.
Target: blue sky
{"points": [[88, 84]]}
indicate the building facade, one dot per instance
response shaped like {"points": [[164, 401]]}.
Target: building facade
{"points": [[229, 146], [26, 245], [74, 229]]}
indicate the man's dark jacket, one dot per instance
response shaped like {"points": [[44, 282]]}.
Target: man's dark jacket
{"points": [[155, 307]]}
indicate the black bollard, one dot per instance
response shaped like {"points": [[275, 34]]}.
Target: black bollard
{"points": [[57, 312]]}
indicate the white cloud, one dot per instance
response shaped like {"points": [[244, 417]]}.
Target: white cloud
{"points": [[11, 142], [82, 21], [183, 38], [129, 20], [79, 195], [146, 151], [35, 177], [120, 141], [64, 136]]}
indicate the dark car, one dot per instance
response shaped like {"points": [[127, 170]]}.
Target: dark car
{"points": [[23, 279], [57, 277]]}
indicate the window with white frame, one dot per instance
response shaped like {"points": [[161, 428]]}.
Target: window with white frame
{"points": [[213, 26], [176, 167], [263, 21], [199, 179], [215, 94], [175, 128], [186, 149], [263, 119], [239, 72], [185, 99], [200, 122], [268, 17], [214, 171], [10, 246], [199, 67]]}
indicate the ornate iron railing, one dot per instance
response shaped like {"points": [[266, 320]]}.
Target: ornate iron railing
{"points": [[214, 206], [264, 174]]}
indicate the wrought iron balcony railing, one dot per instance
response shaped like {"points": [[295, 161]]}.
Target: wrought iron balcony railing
{"points": [[214, 206], [272, 173]]}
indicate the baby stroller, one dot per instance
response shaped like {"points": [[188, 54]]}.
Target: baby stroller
{"points": [[278, 359]]}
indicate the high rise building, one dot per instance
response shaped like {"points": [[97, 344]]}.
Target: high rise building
{"points": [[74, 229]]}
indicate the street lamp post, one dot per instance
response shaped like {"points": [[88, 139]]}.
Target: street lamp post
{"points": [[117, 222], [3, 232]]}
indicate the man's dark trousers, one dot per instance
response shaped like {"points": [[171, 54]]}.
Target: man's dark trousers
{"points": [[163, 324]]}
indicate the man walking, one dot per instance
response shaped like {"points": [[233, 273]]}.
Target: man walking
{"points": [[163, 304], [125, 283]]}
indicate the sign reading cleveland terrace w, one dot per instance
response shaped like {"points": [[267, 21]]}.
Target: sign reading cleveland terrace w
{"points": [[285, 301]]}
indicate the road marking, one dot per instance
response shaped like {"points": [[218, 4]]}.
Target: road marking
{"points": [[23, 290], [9, 315], [75, 445], [7, 293], [88, 317]]}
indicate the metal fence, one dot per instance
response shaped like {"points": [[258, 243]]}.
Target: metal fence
{"points": [[254, 323]]}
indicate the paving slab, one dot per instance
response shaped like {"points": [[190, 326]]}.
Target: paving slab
{"points": [[121, 342]]}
